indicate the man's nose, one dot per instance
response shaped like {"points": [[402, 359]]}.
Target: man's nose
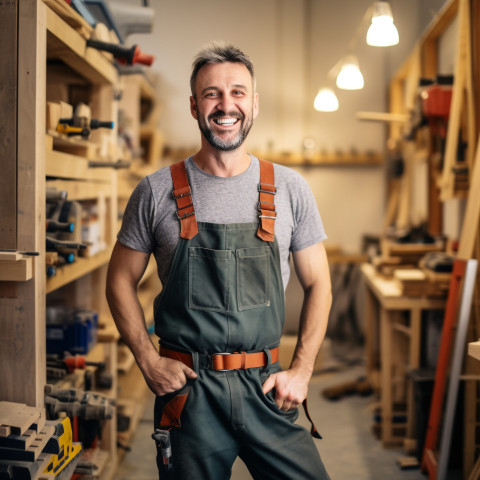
{"points": [[225, 103]]}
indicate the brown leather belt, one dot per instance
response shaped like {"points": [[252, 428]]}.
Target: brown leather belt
{"points": [[225, 361]]}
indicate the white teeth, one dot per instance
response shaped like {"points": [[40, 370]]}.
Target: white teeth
{"points": [[226, 121]]}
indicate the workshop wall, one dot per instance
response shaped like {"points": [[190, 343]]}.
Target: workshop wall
{"points": [[293, 44]]}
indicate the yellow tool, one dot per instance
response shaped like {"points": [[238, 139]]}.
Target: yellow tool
{"points": [[69, 450], [70, 130]]}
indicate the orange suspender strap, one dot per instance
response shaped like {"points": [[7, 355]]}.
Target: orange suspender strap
{"points": [[266, 204], [183, 196]]}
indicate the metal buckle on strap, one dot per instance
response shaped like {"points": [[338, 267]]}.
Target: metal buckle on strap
{"points": [[180, 217], [267, 216], [273, 192], [186, 194], [221, 369], [259, 205]]}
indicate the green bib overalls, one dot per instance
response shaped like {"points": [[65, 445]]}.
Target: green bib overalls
{"points": [[225, 294]]}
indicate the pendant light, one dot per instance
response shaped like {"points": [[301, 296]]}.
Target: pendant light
{"points": [[326, 101], [350, 77], [382, 32]]}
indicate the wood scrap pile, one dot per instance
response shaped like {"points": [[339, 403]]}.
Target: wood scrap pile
{"points": [[32, 448], [415, 282], [405, 263], [396, 255]]}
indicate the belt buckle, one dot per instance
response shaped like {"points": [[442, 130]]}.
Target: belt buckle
{"points": [[221, 369]]}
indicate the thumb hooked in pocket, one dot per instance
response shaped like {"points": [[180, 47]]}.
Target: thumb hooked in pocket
{"points": [[269, 383]]}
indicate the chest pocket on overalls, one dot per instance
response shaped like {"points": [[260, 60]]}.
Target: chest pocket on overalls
{"points": [[217, 277]]}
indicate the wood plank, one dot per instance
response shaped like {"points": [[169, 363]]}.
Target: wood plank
{"points": [[78, 190], [383, 117], [18, 416], [8, 124], [66, 44], [82, 266], [74, 19], [66, 165], [472, 212], [24, 339], [16, 271]]}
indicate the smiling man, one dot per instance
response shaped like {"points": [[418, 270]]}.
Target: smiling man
{"points": [[221, 225]]}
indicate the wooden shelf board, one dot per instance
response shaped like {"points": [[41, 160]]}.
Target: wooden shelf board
{"points": [[16, 271], [474, 349], [65, 44], [65, 165], [74, 19], [73, 271], [326, 159], [78, 190]]}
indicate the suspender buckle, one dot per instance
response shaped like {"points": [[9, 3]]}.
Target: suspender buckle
{"points": [[263, 186], [185, 193], [185, 215]]}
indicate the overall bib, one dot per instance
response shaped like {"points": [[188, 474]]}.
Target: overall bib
{"points": [[224, 295]]}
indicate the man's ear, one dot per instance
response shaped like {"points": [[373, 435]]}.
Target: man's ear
{"points": [[193, 108]]}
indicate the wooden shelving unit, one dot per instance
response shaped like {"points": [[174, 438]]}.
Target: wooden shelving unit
{"points": [[48, 60]]}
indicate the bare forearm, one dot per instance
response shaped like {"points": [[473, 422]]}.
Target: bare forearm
{"points": [[312, 327], [130, 321]]}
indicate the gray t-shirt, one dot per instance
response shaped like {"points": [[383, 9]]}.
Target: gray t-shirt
{"points": [[150, 223]]}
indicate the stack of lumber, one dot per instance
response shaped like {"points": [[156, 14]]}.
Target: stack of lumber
{"points": [[397, 256], [30, 446], [417, 283]]}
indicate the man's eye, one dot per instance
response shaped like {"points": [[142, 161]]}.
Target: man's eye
{"points": [[239, 92], [211, 94]]}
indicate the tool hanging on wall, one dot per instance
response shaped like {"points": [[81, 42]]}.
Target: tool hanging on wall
{"points": [[124, 55]]}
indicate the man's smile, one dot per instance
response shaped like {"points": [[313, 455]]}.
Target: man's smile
{"points": [[226, 120]]}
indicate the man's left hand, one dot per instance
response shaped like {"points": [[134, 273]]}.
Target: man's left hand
{"points": [[291, 388]]}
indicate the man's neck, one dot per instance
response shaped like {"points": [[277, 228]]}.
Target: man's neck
{"points": [[222, 164]]}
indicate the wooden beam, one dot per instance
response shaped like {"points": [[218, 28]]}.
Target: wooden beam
{"points": [[8, 124], [23, 341]]}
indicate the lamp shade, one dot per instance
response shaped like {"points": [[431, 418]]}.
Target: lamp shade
{"points": [[350, 77], [382, 32], [326, 101]]}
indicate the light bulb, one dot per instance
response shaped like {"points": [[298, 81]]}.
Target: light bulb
{"points": [[382, 32], [350, 76], [326, 101]]}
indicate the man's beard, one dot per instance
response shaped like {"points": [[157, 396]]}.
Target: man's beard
{"points": [[219, 143]]}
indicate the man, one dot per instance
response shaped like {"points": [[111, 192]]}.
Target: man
{"points": [[222, 243]]}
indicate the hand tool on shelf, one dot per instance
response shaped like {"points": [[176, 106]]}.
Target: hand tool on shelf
{"points": [[122, 53], [83, 122], [56, 226], [73, 131], [70, 363], [58, 245], [89, 407], [116, 165]]}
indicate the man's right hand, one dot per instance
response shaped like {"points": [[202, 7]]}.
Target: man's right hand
{"points": [[164, 375]]}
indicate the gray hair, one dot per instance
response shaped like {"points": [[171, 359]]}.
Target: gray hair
{"points": [[219, 52]]}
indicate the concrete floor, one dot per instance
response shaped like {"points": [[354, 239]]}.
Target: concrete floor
{"points": [[349, 449]]}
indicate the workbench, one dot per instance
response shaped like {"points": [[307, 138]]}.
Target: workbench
{"points": [[389, 316]]}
